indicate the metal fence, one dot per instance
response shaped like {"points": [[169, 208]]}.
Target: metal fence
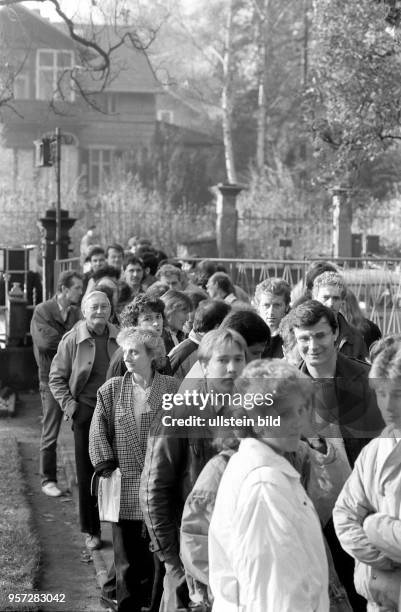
{"points": [[376, 282], [63, 265]]}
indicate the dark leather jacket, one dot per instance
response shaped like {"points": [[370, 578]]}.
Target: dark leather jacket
{"points": [[174, 459], [350, 341], [357, 414]]}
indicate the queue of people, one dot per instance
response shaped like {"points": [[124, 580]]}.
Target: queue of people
{"points": [[284, 495]]}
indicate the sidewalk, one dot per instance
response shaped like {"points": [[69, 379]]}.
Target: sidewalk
{"points": [[102, 559]]}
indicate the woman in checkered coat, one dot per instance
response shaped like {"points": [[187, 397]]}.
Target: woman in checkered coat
{"points": [[128, 410]]}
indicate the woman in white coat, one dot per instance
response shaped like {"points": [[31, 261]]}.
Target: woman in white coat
{"points": [[367, 515], [266, 550]]}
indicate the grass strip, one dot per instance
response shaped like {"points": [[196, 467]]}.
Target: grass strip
{"points": [[19, 543]]}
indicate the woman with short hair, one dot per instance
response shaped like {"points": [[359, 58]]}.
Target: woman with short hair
{"points": [[126, 411]]}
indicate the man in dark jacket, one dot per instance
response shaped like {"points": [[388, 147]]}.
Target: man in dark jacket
{"points": [[208, 315], [176, 455], [50, 321], [272, 299], [329, 289], [346, 410]]}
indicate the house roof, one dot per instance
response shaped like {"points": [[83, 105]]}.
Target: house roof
{"points": [[131, 69], [20, 26]]}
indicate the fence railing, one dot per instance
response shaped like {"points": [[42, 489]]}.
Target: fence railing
{"points": [[63, 265], [376, 282]]}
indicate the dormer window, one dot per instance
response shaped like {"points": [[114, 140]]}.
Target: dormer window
{"points": [[53, 75]]}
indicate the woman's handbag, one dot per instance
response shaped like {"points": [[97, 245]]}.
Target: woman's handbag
{"points": [[108, 497]]}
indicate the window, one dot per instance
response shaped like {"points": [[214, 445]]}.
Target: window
{"points": [[100, 163], [21, 87], [167, 116], [53, 75]]}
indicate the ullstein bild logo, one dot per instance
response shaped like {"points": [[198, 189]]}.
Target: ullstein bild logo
{"points": [[221, 421]]}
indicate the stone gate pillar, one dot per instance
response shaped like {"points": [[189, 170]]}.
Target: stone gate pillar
{"points": [[342, 222], [227, 219]]}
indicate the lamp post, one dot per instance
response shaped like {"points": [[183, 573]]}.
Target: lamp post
{"points": [[48, 153], [58, 199]]}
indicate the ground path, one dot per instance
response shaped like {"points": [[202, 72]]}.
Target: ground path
{"points": [[64, 567]]}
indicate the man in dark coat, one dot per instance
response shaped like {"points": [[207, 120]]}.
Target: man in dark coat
{"points": [[346, 410], [272, 299], [50, 321]]}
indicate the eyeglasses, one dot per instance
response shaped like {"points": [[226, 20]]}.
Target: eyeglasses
{"points": [[101, 307]]}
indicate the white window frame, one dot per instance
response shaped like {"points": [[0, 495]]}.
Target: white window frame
{"points": [[100, 149], [53, 69], [165, 112]]}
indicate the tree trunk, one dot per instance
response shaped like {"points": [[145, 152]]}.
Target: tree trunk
{"points": [[227, 97], [262, 84]]}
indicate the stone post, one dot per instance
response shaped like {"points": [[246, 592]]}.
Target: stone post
{"points": [[342, 222], [227, 219]]}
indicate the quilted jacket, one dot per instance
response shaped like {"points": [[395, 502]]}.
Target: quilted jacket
{"points": [[367, 516]]}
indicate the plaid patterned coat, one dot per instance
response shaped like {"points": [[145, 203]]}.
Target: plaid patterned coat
{"points": [[128, 448]]}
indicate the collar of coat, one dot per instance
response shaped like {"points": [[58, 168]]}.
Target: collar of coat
{"points": [[83, 333], [258, 454], [346, 332], [346, 367], [154, 393], [53, 308]]}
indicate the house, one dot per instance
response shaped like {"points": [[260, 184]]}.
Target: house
{"points": [[175, 108], [41, 60], [42, 72]]}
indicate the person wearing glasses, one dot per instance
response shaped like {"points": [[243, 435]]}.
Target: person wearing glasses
{"points": [[346, 410], [77, 371]]}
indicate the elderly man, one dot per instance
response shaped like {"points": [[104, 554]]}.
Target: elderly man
{"points": [[272, 300], [50, 321], [77, 371], [329, 289]]}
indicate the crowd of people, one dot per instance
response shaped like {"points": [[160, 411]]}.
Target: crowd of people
{"points": [[274, 483]]}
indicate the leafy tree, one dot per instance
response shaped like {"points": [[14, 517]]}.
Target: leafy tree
{"points": [[354, 99]]}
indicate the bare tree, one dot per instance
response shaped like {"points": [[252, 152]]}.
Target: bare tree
{"points": [[97, 54]]}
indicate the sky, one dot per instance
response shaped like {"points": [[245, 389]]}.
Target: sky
{"points": [[69, 6], [82, 7]]}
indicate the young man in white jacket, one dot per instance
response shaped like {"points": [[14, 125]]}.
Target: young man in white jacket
{"points": [[266, 549], [367, 515]]}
